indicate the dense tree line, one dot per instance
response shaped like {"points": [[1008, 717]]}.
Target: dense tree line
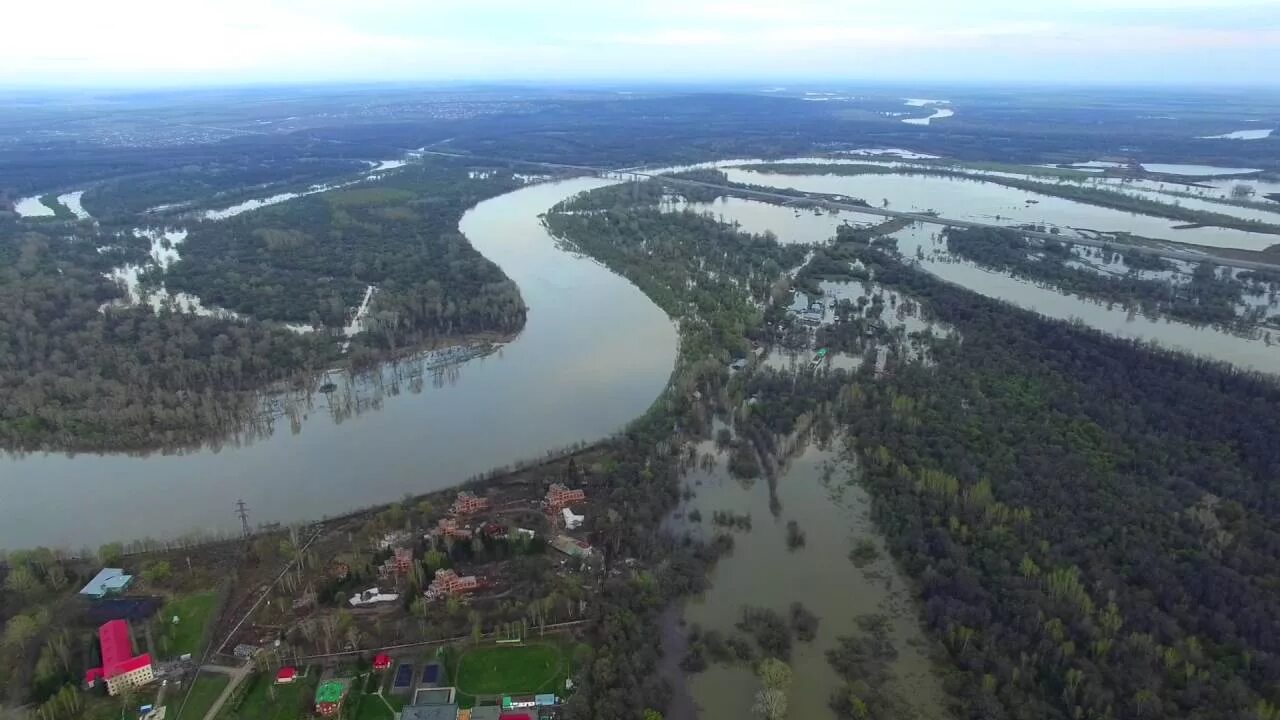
{"points": [[74, 376], [311, 260], [1092, 521]]}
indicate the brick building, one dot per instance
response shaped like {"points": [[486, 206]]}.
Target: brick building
{"points": [[560, 497], [448, 583], [468, 504]]}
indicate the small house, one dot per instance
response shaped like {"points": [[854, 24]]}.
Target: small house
{"points": [[381, 661], [286, 675]]}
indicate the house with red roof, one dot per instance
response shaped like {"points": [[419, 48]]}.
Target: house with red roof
{"points": [[286, 676], [120, 667], [381, 661]]}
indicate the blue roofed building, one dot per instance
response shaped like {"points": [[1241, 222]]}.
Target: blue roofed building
{"points": [[108, 581]]}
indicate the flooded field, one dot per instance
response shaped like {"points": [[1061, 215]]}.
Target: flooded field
{"points": [[816, 490]]}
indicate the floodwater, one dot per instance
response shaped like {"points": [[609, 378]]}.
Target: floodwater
{"points": [[32, 207], [594, 355], [816, 490], [1113, 318], [1195, 170], [1254, 134], [938, 114], [965, 199], [72, 201], [1251, 352], [790, 225]]}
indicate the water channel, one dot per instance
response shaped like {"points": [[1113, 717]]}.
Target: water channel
{"points": [[594, 355]]}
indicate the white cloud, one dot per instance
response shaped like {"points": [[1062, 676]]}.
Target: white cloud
{"points": [[217, 40]]}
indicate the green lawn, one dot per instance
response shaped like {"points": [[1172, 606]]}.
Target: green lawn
{"points": [[193, 612], [207, 689], [373, 708], [511, 669], [289, 702]]}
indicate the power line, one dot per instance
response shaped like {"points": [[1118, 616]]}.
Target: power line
{"points": [[243, 511]]}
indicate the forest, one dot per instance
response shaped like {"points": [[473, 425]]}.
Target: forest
{"points": [[310, 260], [1089, 519], [75, 376]]}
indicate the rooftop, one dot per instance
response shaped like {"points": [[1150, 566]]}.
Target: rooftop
{"points": [[117, 650], [430, 712], [107, 581]]}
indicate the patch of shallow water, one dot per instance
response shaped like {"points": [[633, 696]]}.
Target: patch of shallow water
{"points": [[790, 225], [72, 202], [815, 490], [32, 207], [1254, 134]]}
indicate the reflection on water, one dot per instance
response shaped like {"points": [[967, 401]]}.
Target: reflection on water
{"points": [[594, 355], [816, 490]]}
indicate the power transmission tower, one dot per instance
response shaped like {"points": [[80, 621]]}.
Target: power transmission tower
{"points": [[243, 511]]}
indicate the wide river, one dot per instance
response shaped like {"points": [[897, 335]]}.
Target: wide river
{"points": [[594, 355]]}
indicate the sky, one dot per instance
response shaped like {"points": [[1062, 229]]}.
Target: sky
{"points": [[199, 42]]}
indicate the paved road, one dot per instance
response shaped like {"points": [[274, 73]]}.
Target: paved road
{"points": [[826, 202]]}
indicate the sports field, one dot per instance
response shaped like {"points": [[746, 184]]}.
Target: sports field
{"points": [[512, 669]]}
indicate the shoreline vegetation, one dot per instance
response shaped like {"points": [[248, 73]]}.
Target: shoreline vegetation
{"points": [[168, 379], [1087, 195]]}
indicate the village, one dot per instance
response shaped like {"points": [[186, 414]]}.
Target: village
{"points": [[458, 605]]}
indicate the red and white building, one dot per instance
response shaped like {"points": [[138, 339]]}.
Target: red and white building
{"points": [[286, 676], [120, 667], [468, 504], [381, 661], [448, 583], [560, 497], [400, 562], [449, 527]]}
